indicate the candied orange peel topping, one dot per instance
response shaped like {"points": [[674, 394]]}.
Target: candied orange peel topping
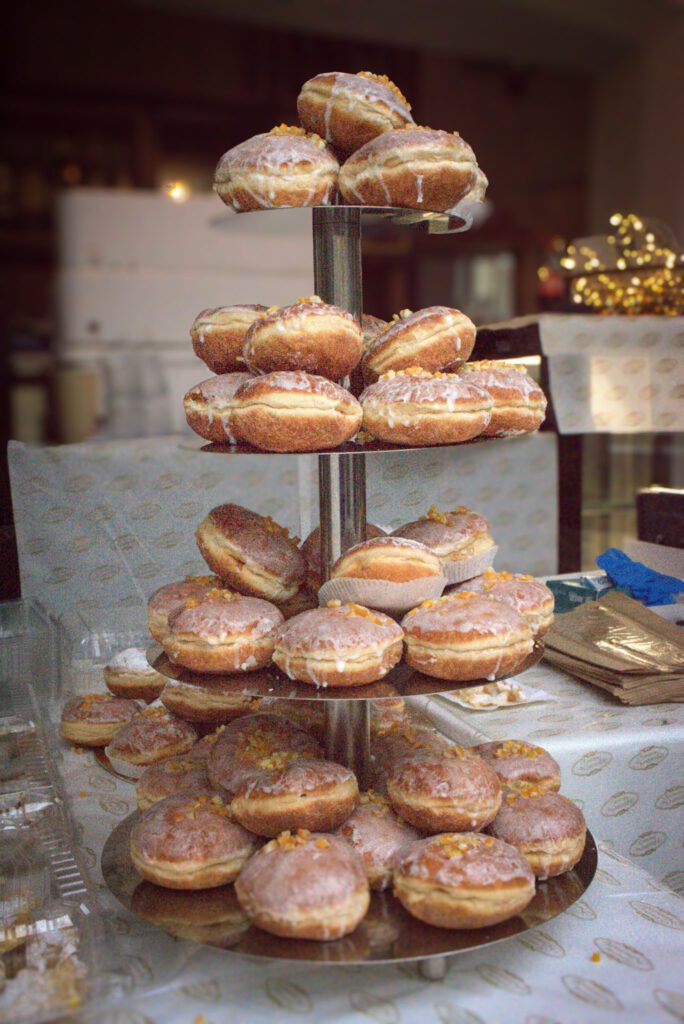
{"points": [[201, 579], [277, 760], [517, 748], [308, 298], [322, 844], [371, 797], [526, 790], [417, 371], [221, 592], [295, 129], [154, 713], [364, 613], [289, 841], [492, 364], [401, 315], [93, 698], [384, 80], [192, 602], [334, 602], [453, 846]]}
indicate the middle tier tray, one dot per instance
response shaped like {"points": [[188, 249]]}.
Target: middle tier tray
{"points": [[371, 448]]}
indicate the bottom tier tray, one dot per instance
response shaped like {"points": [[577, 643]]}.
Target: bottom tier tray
{"points": [[388, 934]]}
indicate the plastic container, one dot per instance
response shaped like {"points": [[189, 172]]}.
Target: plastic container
{"points": [[89, 640], [29, 649]]}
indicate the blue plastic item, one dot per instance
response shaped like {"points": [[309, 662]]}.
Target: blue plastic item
{"points": [[647, 585]]}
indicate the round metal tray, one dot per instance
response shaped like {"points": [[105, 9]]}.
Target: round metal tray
{"points": [[350, 448], [401, 681], [388, 934]]}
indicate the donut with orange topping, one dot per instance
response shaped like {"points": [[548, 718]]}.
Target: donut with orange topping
{"points": [[311, 549], [452, 536], [150, 736], [349, 110], [395, 559], [463, 880], [517, 762], [378, 835], [304, 885], [222, 632], [530, 597], [435, 338], [308, 335], [92, 720], [371, 326], [171, 776], [287, 166], [518, 403], [251, 552], [207, 406], [403, 739], [339, 645], [415, 407], [218, 335], [172, 596], [546, 828]]}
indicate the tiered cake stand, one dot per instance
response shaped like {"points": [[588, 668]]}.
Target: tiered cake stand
{"points": [[342, 509]]}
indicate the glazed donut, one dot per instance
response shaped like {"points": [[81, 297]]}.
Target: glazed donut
{"points": [[210, 916], [515, 762], [284, 167], [435, 338], [207, 406], [233, 759], [304, 886], [215, 701], [350, 110], [218, 334], [416, 168], [203, 748], [414, 407], [463, 881], [173, 775], [150, 736], [309, 335], [311, 549], [340, 645], [92, 720], [530, 597], [293, 411], [518, 403], [403, 740], [378, 835], [395, 559], [222, 632], [129, 674], [308, 715], [444, 790], [465, 636], [173, 596], [452, 536], [546, 828], [189, 842], [251, 552], [371, 327], [297, 792]]}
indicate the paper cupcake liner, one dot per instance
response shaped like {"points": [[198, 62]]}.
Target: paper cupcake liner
{"points": [[381, 595], [469, 568]]}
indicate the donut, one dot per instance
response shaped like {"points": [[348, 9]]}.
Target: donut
{"points": [[530, 597], [233, 759], [92, 720], [297, 792], [447, 790], [452, 536], [308, 715], [515, 761], [222, 632], [309, 335], [465, 880], [293, 411], [349, 110], [311, 549], [172, 596], [218, 334], [546, 828], [190, 842], [371, 327], [378, 836], [215, 701], [464, 636], [210, 916], [518, 403], [207, 406], [173, 775], [387, 714], [284, 167], [203, 748], [304, 886], [414, 407], [404, 739], [302, 601], [251, 552], [129, 674], [416, 168], [395, 559], [340, 645], [150, 736], [435, 338]]}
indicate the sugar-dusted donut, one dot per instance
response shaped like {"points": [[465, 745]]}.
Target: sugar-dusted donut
{"points": [[308, 335], [435, 338], [207, 406], [340, 645], [445, 790], [218, 334], [150, 736], [546, 828], [251, 552], [530, 597], [172, 596], [452, 536], [190, 842], [415, 407], [293, 411], [517, 762], [518, 403], [349, 110], [463, 880], [378, 835], [173, 775], [306, 886], [284, 167], [91, 720], [395, 559], [466, 636], [311, 549], [222, 632], [129, 674], [414, 167]]}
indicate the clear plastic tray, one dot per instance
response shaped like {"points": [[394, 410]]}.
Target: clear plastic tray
{"points": [[89, 640], [29, 649]]}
